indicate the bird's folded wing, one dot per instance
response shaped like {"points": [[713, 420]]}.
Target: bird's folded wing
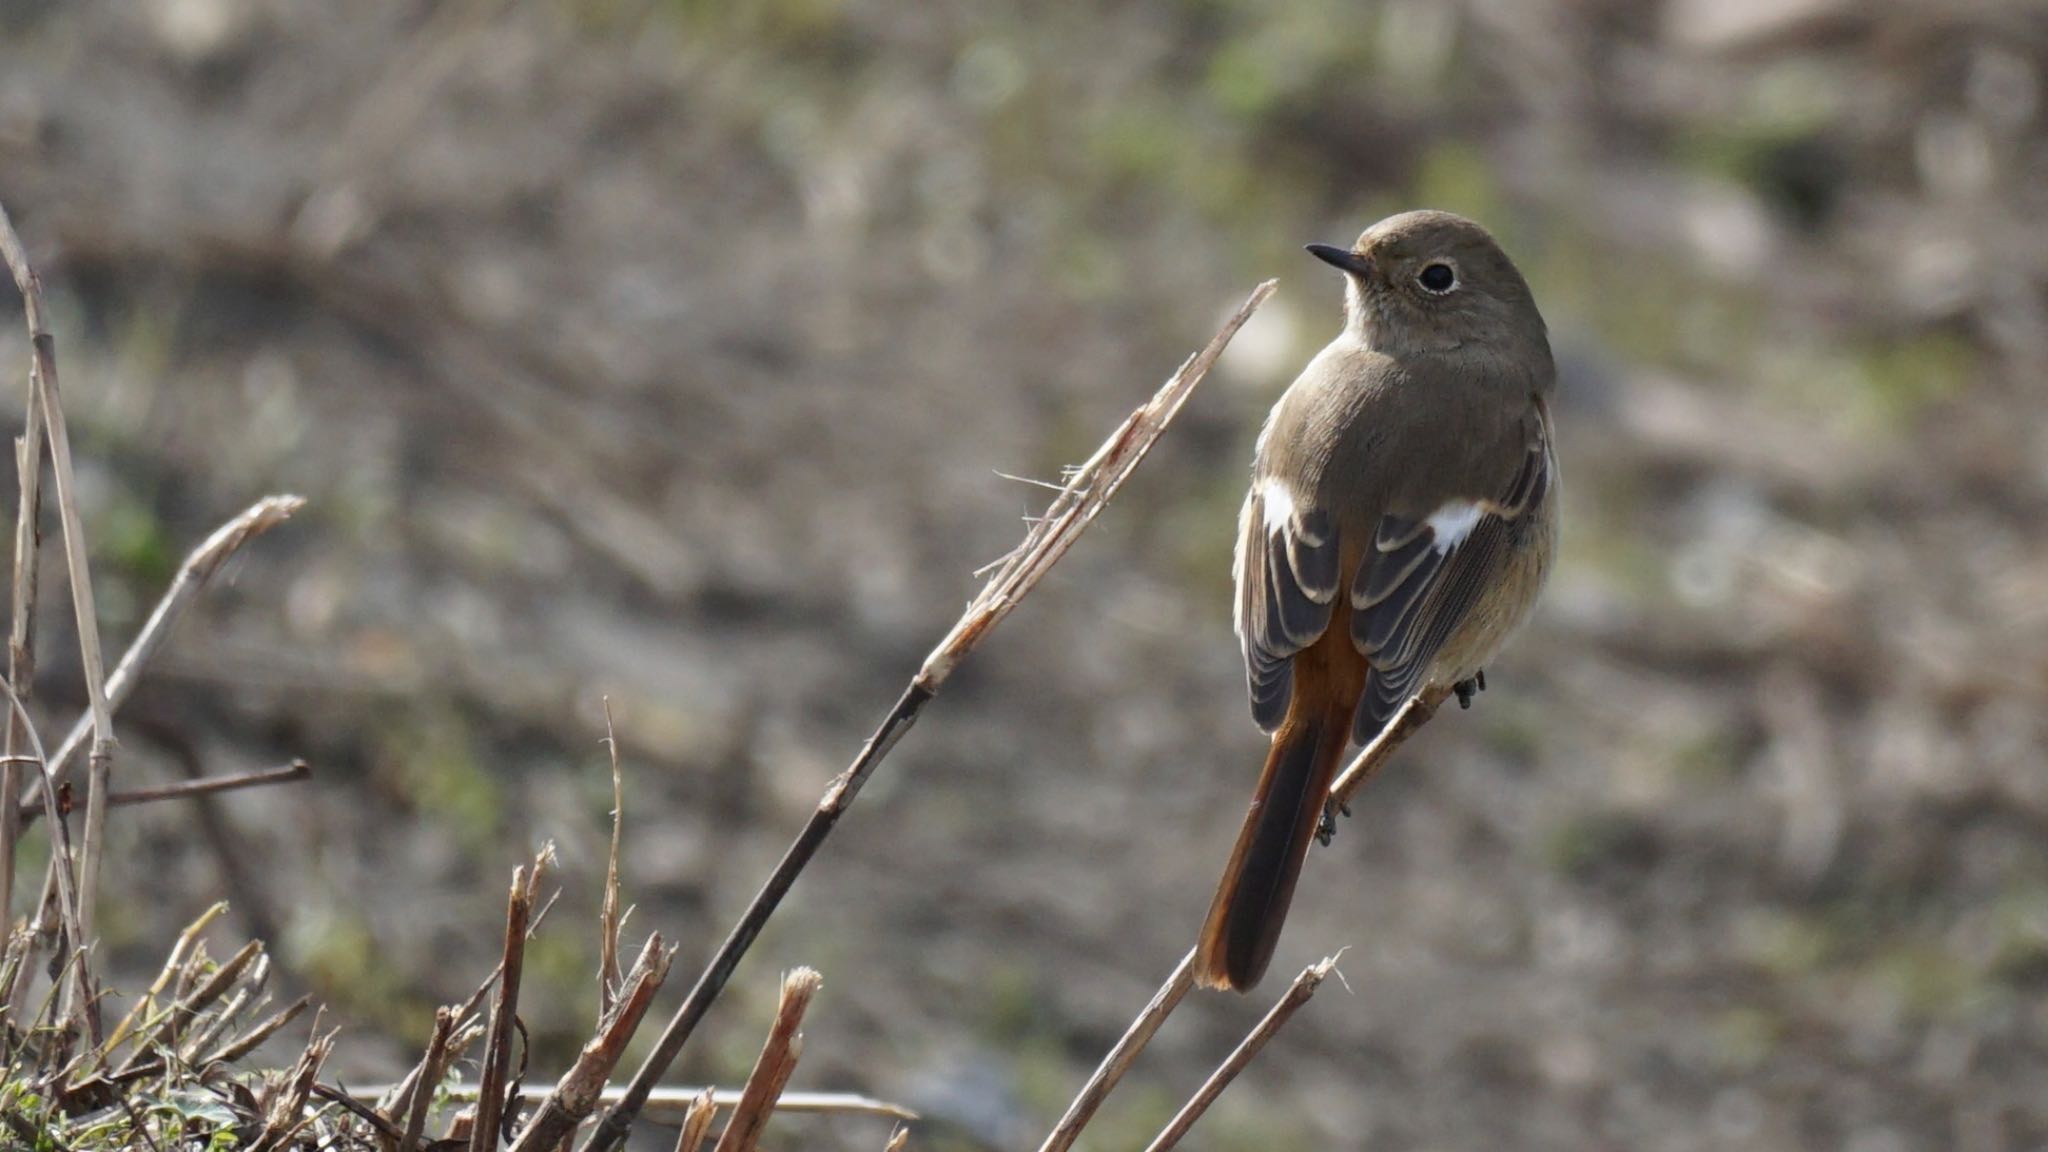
{"points": [[1286, 585], [1422, 578]]}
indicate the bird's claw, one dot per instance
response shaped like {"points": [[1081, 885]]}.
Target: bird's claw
{"points": [[1326, 827], [1466, 689]]}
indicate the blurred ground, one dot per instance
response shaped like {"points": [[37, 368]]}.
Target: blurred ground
{"points": [[668, 351]]}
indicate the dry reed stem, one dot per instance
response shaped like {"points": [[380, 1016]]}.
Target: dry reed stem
{"points": [[1087, 491], [490, 1101], [199, 567], [334, 1094], [676, 1102], [145, 1005], [1297, 994], [608, 916], [1370, 759], [79, 1001], [208, 1028], [577, 1094], [164, 1030], [61, 881], [898, 1139], [21, 662], [697, 1124], [291, 773], [432, 1067], [248, 1041], [1113, 1066], [772, 1070]]}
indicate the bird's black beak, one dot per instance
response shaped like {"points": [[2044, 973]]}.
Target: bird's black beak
{"points": [[1343, 258]]}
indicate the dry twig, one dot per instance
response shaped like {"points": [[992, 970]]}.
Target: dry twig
{"points": [[772, 1071], [1297, 994], [21, 661], [1120, 1058], [675, 1103], [1087, 491], [697, 1124], [61, 882], [291, 773], [1370, 759], [576, 1095], [608, 917], [79, 1000], [432, 1067], [490, 1101], [193, 575], [248, 1041]]}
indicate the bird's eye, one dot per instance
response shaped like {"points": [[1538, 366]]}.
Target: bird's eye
{"points": [[1438, 278]]}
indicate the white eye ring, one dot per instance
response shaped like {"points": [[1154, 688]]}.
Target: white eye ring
{"points": [[1445, 289]]}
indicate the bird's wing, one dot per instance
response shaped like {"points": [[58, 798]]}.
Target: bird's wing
{"points": [[1424, 574], [1286, 585]]}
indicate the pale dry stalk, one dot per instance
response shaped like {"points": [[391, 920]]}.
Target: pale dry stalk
{"points": [[79, 1003], [1087, 491], [772, 1070], [577, 1094], [1290, 1002], [1106, 1075]]}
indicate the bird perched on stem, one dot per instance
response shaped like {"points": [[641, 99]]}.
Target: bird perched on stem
{"points": [[1401, 522]]}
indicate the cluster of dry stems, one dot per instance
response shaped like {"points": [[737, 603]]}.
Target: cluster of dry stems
{"points": [[188, 1030]]}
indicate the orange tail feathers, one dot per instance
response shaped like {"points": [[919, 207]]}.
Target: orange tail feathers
{"points": [[1251, 903]]}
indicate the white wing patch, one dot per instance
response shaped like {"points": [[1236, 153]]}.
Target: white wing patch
{"points": [[1452, 522], [1279, 504]]}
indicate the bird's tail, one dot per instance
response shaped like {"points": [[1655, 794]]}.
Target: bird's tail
{"points": [[1251, 903]]}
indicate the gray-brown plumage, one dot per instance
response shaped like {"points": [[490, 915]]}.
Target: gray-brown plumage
{"points": [[1400, 524]]}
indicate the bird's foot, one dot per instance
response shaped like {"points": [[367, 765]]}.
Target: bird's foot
{"points": [[1326, 827], [1466, 689]]}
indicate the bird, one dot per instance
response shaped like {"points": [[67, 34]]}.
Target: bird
{"points": [[1401, 523]]}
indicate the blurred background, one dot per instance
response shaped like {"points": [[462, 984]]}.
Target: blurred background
{"points": [[669, 351]]}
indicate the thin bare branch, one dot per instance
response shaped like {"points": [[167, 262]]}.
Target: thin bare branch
{"points": [[79, 999], [431, 1068], [347, 1102], [1297, 994], [576, 1095], [1121, 1056], [1089, 489], [248, 1041], [291, 773], [62, 881], [772, 1071], [193, 575], [674, 1103], [21, 661], [697, 1124], [490, 1101], [608, 916], [1406, 723]]}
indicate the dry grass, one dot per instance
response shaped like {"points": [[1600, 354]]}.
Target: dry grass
{"points": [[179, 1068]]}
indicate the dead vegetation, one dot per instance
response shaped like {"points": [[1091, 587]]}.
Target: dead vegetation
{"points": [[180, 1068]]}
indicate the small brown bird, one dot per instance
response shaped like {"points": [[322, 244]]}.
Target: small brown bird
{"points": [[1400, 524]]}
